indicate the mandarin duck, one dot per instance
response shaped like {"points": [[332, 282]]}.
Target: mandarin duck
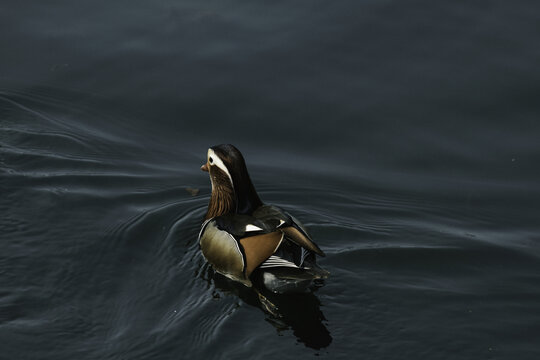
{"points": [[246, 240]]}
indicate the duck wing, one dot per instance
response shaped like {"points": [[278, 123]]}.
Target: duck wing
{"points": [[276, 217], [259, 248]]}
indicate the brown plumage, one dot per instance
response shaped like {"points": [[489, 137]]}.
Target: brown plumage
{"points": [[222, 200], [258, 248]]}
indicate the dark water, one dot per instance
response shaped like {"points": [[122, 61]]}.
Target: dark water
{"points": [[405, 135]]}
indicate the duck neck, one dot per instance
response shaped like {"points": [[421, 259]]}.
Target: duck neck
{"points": [[222, 201], [248, 200]]}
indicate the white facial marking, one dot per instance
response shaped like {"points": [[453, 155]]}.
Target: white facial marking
{"points": [[251, 227], [214, 160]]}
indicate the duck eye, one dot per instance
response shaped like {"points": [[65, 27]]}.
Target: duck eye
{"points": [[211, 160]]}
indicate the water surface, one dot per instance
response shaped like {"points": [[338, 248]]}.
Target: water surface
{"points": [[404, 135]]}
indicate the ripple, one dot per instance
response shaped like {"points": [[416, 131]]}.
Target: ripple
{"points": [[127, 229]]}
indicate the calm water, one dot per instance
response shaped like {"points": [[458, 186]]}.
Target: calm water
{"points": [[405, 135]]}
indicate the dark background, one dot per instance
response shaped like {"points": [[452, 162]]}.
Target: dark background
{"points": [[403, 134]]}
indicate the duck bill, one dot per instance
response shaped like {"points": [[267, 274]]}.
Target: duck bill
{"points": [[204, 167]]}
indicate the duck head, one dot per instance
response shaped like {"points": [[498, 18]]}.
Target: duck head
{"points": [[232, 189]]}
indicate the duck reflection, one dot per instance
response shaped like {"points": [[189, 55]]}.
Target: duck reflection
{"points": [[299, 312]]}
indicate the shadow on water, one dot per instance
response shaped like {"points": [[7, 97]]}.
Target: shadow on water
{"points": [[300, 313]]}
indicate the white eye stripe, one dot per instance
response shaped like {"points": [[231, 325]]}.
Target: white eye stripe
{"points": [[219, 163]]}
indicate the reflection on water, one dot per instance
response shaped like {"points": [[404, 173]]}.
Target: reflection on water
{"points": [[299, 312]]}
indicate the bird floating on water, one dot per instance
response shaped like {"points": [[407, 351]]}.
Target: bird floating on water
{"points": [[246, 240]]}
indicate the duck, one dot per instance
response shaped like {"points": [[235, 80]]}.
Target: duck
{"points": [[249, 241]]}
